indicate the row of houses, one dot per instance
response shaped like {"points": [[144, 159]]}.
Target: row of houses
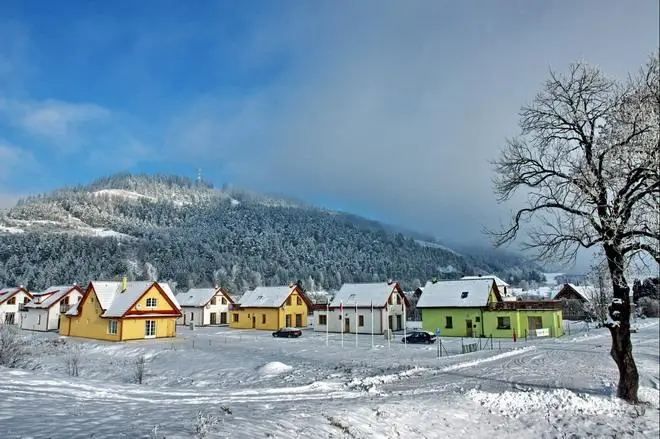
{"points": [[118, 311]]}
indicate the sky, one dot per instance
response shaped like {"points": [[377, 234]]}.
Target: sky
{"points": [[387, 109]]}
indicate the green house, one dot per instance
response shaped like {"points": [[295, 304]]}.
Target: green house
{"points": [[475, 308]]}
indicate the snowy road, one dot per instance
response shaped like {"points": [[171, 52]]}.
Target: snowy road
{"points": [[543, 388]]}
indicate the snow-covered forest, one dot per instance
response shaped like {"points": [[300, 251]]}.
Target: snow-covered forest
{"points": [[183, 231]]}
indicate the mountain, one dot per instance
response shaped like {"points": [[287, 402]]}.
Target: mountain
{"points": [[188, 232]]}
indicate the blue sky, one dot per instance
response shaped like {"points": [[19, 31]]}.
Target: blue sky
{"points": [[386, 108]]}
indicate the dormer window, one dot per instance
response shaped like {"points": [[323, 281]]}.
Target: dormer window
{"points": [[464, 295], [151, 302]]}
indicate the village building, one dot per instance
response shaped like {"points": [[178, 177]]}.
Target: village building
{"points": [[364, 308], [43, 312], [502, 286], [12, 304], [271, 308], [475, 308], [204, 306], [574, 298], [118, 311]]}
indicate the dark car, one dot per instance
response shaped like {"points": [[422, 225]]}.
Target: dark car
{"points": [[420, 337], [287, 332]]}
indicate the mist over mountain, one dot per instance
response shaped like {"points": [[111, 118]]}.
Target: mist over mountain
{"points": [[187, 232]]}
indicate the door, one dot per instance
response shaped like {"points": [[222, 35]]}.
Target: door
{"points": [[468, 328], [223, 318], [347, 325], [214, 318], [534, 323], [254, 321], [288, 321], [398, 322], [298, 320], [9, 318], [390, 323]]}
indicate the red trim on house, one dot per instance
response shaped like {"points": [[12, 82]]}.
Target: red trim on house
{"points": [[173, 312], [18, 290], [163, 295]]}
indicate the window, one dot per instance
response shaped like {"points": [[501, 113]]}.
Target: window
{"points": [[263, 319], [26, 299], [360, 320], [477, 319], [151, 302], [398, 299], [464, 295], [298, 300], [288, 301], [150, 328], [503, 323], [213, 300], [448, 322], [224, 301], [39, 319], [235, 317], [112, 327], [323, 319], [65, 301], [12, 301]]}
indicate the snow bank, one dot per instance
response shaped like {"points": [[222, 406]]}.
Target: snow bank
{"points": [[515, 404], [274, 368]]}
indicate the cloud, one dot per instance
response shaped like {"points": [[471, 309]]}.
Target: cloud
{"points": [[63, 123], [15, 162], [399, 108]]}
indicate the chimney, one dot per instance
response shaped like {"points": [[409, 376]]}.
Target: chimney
{"points": [[124, 283]]}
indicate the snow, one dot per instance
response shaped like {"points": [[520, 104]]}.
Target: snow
{"points": [[450, 293], [121, 193], [364, 294], [124, 300], [259, 386], [498, 281], [196, 297], [11, 230], [275, 368], [266, 297]]}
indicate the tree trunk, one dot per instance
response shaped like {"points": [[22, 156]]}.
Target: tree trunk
{"points": [[619, 312]]}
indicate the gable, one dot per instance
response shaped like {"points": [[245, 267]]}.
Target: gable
{"points": [[88, 306], [153, 301]]}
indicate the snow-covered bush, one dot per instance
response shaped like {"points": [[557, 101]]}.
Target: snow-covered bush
{"points": [[13, 352]]}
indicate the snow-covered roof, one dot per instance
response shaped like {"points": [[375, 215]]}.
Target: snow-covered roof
{"points": [[124, 300], [498, 281], [266, 297], [51, 296], [585, 291], [197, 297], [464, 293], [7, 293], [51, 290], [116, 302], [364, 294]]}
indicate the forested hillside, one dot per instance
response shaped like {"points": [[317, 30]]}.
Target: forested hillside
{"points": [[173, 229]]}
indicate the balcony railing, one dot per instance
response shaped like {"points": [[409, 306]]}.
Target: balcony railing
{"points": [[21, 307], [525, 305], [64, 308]]}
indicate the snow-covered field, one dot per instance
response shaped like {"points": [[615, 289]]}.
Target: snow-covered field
{"points": [[247, 385]]}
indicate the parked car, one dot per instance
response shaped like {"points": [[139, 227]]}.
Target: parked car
{"points": [[420, 337], [287, 332]]}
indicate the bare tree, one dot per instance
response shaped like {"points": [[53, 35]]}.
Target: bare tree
{"points": [[588, 163], [73, 360], [599, 293]]}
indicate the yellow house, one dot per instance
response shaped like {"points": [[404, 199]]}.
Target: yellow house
{"points": [[271, 308], [118, 311]]}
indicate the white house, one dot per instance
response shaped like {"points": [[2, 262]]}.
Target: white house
{"points": [[204, 306], [12, 302], [356, 306], [43, 312]]}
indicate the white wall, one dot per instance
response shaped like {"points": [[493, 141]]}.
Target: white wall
{"points": [[380, 320], [6, 308], [35, 319], [202, 315]]}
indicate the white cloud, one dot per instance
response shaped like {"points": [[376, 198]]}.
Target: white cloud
{"points": [[15, 161]]}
